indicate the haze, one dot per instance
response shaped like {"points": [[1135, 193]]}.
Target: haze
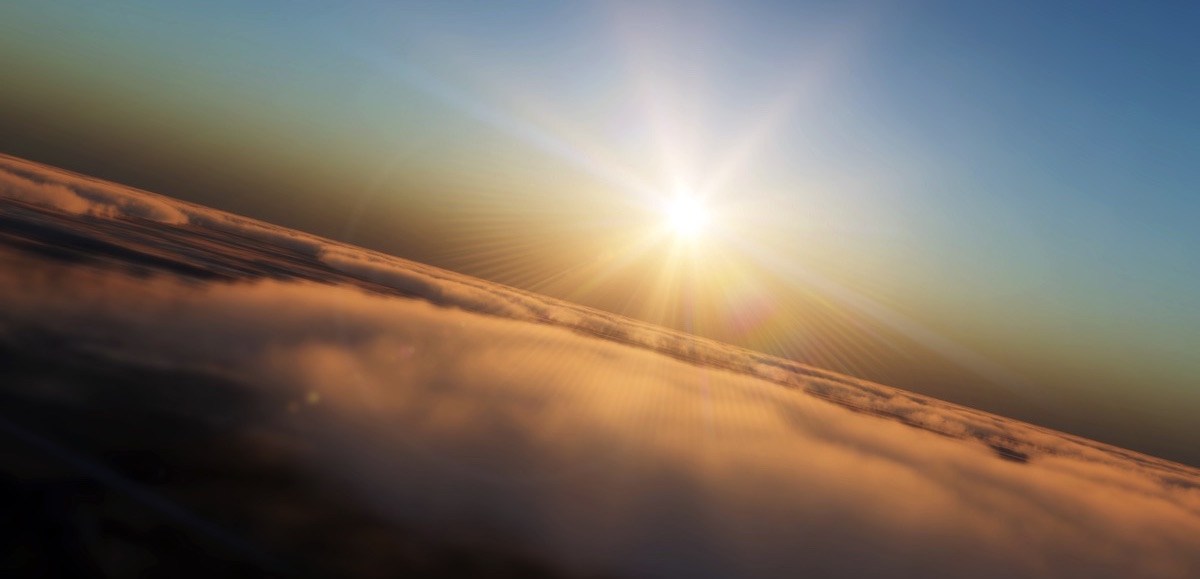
{"points": [[991, 204]]}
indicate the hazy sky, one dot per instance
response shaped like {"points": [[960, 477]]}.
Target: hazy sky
{"points": [[992, 202]]}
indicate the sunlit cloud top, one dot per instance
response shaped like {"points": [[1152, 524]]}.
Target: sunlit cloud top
{"points": [[1008, 188]]}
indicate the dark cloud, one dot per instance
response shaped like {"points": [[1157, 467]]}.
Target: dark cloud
{"points": [[572, 441], [608, 458], [82, 196]]}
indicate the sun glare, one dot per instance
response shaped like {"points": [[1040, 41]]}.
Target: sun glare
{"points": [[686, 216]]}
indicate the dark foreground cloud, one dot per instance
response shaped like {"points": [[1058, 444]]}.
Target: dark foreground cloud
{"points": [[606, 459], [585, 443]]}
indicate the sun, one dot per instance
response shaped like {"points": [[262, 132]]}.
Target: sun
{"points": [[686, 216]]}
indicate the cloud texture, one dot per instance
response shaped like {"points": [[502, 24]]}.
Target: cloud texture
{"points": [[647, 455]]}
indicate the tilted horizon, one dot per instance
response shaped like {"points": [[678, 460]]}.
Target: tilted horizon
{"points": [[601, 288], [191, 360]]}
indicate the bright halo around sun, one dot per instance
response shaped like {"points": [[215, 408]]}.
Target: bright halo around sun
{"points": [[686, 216]]}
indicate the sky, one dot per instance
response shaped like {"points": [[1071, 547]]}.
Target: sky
{"points": [[987, 202]]}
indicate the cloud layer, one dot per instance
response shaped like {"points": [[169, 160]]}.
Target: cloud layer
{"points": [[505, 417]]}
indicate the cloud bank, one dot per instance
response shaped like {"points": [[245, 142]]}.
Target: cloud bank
{"points": [[612, 460], [257, 250], [597, 446]]}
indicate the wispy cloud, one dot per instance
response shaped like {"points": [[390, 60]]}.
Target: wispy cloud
{"points": [[80, 196]]}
